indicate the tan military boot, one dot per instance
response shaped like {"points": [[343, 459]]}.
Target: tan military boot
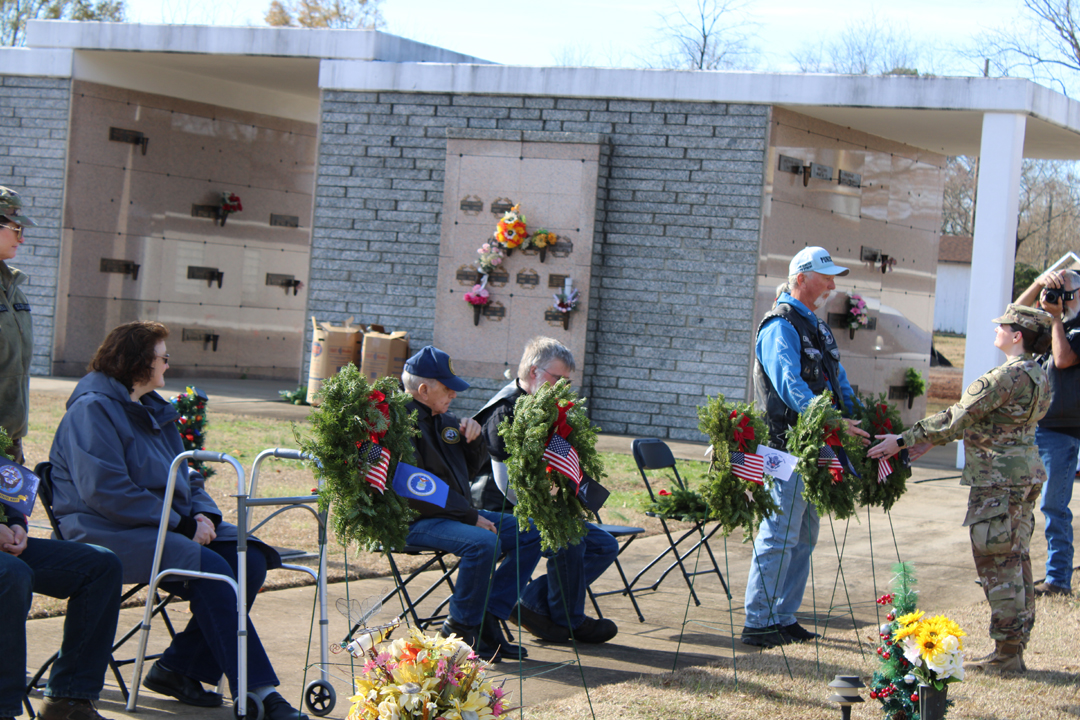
{"points": [[1007, 658]]}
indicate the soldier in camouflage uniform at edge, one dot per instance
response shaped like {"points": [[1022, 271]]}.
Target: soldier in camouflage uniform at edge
{"points": [[996, 418]]}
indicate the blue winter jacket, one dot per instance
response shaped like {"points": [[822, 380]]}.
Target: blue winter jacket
{"points": [[111, 459]]}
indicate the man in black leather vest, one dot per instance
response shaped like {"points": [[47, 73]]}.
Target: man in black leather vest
{"points": [[1058, 433], [797, 359], [545, 609]]}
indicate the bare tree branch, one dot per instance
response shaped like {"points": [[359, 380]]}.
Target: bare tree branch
{"points": [[710, 35]]}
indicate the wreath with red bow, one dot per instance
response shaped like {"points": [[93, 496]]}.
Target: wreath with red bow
{"points": [[359, 432], [825, 450], [736, 488], [541, 472], [883, 482]]}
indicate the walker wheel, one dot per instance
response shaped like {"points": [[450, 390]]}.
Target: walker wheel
{"points": [[254, 708], [320, 697]]}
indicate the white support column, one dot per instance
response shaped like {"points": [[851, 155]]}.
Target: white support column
{"points": [[993, 254]]}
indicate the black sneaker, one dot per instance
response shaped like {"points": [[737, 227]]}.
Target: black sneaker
{"points": [[68, 709], [539, 625], [592, 630], [275, 707], [797, 633], [766, 637]]}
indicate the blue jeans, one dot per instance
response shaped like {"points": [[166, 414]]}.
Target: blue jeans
{"points": [[575, 567], [1058, 452], [479, 549], [89, 577], [781, 562], [207, 646]]}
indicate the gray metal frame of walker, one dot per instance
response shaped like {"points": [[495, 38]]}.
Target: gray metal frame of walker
{"points": [[245, 500]]}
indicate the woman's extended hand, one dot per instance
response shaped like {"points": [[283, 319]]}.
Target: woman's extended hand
{"points": [[886, 448], [204, 533]]}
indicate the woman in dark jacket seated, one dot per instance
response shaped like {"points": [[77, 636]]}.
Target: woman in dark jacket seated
{"points": [[111, 459]]}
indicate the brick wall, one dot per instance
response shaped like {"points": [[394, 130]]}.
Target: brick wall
{"points": [[33, 148], [675, 249]]}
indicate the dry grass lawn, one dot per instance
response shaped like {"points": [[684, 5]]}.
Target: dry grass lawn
{"points": [[793, 685]]}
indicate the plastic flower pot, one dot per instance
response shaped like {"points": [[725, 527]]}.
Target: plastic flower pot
{"points": [[543, 253], [851, 333], [566, 321], [477, 310]]}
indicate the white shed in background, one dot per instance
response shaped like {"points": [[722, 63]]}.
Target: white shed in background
{"points": [[953, 284]]}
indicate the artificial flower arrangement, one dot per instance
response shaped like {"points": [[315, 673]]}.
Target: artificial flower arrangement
{"points": [[541, 240], [883, 481], [511, 231], [566, 302], [914, 385], [191, 404], [919, 655], [857, 316], [546, 494], [736, 487], [491, 256], [429, 678], [230, 203], [359, 432], [478, 297], [824, 450]]}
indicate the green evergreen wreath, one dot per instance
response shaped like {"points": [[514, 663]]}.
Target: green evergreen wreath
{"points": [[559, 518], [805, 440], [724, 491], [5, 451], [879, 417], [348, 415], [679, 504]]}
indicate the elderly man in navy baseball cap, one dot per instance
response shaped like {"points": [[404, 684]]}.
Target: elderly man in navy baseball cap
{"points": [[454, 451]]}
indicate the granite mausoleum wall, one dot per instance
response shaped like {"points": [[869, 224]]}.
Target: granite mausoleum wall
{"points": [[675, 253], [33, 148]]}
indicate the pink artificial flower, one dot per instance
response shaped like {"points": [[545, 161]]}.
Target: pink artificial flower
{"points": [[496, 261]]}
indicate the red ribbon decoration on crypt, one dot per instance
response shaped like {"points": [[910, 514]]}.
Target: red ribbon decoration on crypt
{"points": [[744, 432]]}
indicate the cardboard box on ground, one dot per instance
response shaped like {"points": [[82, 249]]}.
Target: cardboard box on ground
{"points": [[376, 352]]}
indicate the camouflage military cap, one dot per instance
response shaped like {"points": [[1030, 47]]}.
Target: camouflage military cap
{"points": [[1026, 317], [11, 207]]}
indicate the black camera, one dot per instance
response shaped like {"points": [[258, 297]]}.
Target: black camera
{"points": [[1057, 295]]}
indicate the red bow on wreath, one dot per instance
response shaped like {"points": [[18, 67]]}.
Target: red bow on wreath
{"points": [[383, 407], [882, 424], [559, 453], [744, 432]]}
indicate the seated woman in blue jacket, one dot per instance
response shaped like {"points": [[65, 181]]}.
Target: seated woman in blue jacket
{"points": [[111, 458]]}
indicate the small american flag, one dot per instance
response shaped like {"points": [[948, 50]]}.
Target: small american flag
{"points": [[561, 456], [378, 460], [884, 469], [748, 466], [827, 458]]}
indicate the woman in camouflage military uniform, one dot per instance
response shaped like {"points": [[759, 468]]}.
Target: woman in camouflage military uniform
{"points": [[996, 419]]}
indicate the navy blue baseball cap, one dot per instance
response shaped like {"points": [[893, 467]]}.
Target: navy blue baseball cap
{"points": [[434, 364]]}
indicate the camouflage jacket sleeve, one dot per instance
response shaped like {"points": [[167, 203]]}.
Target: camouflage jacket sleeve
{"points": [[981, 398]]}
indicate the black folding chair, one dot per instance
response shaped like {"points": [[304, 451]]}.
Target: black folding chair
{"points": [[619, 532], [443, 562], [654, 454], [45, 493]]}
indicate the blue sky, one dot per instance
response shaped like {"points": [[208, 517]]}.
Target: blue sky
{"points": [[602, 31]]}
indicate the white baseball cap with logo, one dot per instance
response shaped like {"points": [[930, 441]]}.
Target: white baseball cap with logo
{"points": [[815, 259]]}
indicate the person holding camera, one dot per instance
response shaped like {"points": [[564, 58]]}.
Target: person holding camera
{"points": [[1058, 433]]}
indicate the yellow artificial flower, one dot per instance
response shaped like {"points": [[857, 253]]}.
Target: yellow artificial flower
{"points": [[910, 618]]}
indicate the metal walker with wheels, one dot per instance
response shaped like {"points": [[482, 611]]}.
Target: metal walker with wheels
{"points": [[319, 694]]}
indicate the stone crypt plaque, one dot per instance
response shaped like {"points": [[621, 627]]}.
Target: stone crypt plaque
{"points": [[555, 185]]}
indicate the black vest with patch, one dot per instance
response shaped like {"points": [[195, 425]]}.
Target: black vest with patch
{"points": [[820, 360]]}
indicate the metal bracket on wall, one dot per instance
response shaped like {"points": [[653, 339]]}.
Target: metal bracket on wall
{"points": [[209, 274], [129, 136], [285, 281], [123, 267], [206, 338]]}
